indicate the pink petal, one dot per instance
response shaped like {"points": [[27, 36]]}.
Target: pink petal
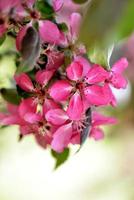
{"points": [[49, 104], [24, 82], [98, 95], [120, 66], [60, 90], [43, 76], [118, 81], [85, 63], [96, 74], [62, 137], [32, 117], [99, 119], [97, 134], [6, 119], [75, 23], [57, 4], [74, 71], [56, 116], [43, 140], [13, 109], [27, 106], [75, 108], [49, 32], [75, 139]]}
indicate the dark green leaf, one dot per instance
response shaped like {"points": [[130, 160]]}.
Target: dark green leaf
{"points": [[86, 131], [30, 50], [2, 39], [80, 1], [60, 157], [45, 8], [10, 95], [63, 27], [22, 93]]}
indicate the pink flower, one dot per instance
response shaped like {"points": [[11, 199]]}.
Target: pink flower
{"points": [[83, 75]]}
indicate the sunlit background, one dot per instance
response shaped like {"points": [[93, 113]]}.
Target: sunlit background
{"points": [[102, 170]]}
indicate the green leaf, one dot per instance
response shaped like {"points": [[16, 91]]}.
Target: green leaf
{"points": [[2, 39], [86, 130], [45, 8], [30, 50], [60, 157], [63, 27], [80, 1], [100, 55], [101, 20], [10, 95]]}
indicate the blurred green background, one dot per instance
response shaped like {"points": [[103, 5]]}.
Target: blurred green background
{"points": [[101, 170]]}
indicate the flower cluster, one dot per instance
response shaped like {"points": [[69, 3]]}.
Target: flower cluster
{"points": [[59, 87]]}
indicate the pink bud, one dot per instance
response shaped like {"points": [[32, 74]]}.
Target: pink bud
{"points": [[24, 82], [75, 23], [57, 4]]}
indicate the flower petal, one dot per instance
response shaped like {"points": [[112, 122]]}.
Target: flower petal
{"points": [[56, 116], [99, 119], [62, 137], [49, 104], [74, 71], [85, 63], [75, 108], [98, 95], [43, 76], [96, 74], [49, 32], [27, 106], [97, 134], [120, 66], [118, 81], [60, 90]]}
